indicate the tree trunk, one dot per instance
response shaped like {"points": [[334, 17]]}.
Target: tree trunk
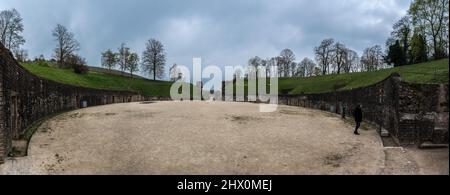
{"points": [[154, 71], [4, 33], [9, 42], [435, 47], [257, 94], [61, 58]]}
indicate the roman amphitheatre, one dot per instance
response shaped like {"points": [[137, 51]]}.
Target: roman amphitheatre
{"points": [[127, 133], [97, 95]]}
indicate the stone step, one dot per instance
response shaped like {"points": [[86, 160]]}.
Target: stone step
{"points": [[440, 135], [431, 145], [384, 133]]}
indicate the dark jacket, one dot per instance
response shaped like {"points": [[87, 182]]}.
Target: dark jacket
{"points": [[357, 113]]}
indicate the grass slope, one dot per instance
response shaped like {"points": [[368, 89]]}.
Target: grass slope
{"points": [[430, 72], [99, 80]]}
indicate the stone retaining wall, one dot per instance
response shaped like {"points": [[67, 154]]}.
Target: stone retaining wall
{"points": [[412, 113]]}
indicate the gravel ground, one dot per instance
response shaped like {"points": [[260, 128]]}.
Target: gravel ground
{"points": [[208, 138]]}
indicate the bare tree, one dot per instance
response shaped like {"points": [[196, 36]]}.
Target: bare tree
{"points": [[174, 73], [255, 63], [324, 55], [238, 74], [132, 63], [351, 61], [294, 68], [300, 70], [109, 59], [372, 59], [11, 28], [127, 60], [280, 67], [339, 56], [265, 63], [271, 63], [122, 57], [309, 67], [66, 44], [285, 61], [21, 55], [154, 59]]}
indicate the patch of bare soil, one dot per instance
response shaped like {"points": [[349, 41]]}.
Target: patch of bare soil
{"points": [[398, 162], [337, 159], [241, 119], [288, 110]]}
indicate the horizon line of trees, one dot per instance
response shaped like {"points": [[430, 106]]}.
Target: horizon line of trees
{"points": [[330, 58], [421, 35], [153, 59], [65, 56]]}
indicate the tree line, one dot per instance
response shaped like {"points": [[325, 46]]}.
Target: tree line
{"points": [[153, 59], [419, 36], [330, 58]]}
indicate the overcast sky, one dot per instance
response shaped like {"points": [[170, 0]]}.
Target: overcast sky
{"points": [[221, 32]]}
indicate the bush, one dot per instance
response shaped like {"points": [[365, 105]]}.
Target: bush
{"points": [[42, 63], [80, 69], [77, 63]]}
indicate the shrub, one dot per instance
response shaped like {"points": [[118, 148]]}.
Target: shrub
{"points": [[40, 61], [77, 63], [80, 69]]}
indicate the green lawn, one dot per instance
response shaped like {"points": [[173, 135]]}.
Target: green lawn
{"points": [[101, 80], [430, 72]]}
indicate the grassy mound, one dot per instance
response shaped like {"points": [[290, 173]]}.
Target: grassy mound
{"points": [[430, 72], [101, 80]]}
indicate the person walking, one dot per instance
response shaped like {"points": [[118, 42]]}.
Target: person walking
{"points": [[357, 114]]}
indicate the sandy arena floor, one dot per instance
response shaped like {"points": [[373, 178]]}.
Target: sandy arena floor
{"points": [[209, 138]]}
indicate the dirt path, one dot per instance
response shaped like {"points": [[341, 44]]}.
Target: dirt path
{"points": [[200, 138]]}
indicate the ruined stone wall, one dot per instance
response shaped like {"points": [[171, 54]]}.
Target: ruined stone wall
{"points": [[3, 136], [412, 113], [25, 98], [423, 113]]}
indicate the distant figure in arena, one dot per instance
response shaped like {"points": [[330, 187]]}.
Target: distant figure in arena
{"points": [[357, 113]]}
